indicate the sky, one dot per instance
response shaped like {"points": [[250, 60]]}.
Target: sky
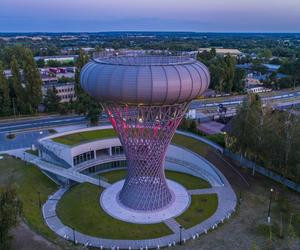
{"points": [[150, 15]]}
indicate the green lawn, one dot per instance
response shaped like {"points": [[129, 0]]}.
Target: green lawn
{"points": [[202, 207], [29, 180], [77, 138], [79, 208], [190, 143], [186, 180]]}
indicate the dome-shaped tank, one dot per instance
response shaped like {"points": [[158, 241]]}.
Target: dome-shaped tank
{"points": [[145, 80]]}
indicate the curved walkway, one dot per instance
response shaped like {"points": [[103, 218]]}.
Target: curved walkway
{"points": [[226, 200], [226, 206]]}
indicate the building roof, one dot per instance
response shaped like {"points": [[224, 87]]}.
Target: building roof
{"points": [[145, 80], [222, 51]]}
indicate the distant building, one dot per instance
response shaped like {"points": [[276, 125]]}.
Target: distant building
{"points": [[58, 72], [62, 59], [272, 67], [86, 50], [46, 79], [258, 89], [66, 91], [7, 73], [223, 52]]}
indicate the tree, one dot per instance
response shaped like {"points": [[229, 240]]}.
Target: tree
{"points": [[33, 81], [40, 63], [266, 53], [4, 94], [84, 103], [222, 70], [229, 72], [267, 136], [93, 114], [239, 80], [245, 126], [52, 100], [18, 90], [10, 209], [81, 61], [260, 68]]}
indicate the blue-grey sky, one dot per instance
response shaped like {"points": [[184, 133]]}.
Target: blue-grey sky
{"points": [[150, 15]]}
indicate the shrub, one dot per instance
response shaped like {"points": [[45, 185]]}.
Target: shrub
{"points": [[11, 136]]}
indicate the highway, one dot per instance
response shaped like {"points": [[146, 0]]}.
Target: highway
{"points": [[36, 123], [279, 99], [209, 105]]}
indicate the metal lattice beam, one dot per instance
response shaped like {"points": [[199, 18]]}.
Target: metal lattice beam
{"points": [[145, 133]]}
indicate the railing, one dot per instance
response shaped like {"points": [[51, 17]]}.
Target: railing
{"points": [[121, 157], [262, 170], [99, 160], [61, 161], [195, 168]]}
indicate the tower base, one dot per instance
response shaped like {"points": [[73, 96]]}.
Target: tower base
{"points": [[111, 204]]}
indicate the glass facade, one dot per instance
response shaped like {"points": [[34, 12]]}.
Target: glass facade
{"points": [[117, 150], [87, 156], [109, 165]]}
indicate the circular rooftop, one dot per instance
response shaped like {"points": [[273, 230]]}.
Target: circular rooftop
{"points": [[145, 80]]}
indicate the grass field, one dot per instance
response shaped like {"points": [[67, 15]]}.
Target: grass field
{"points": [[186, 180], [77, 138], [29, 181], [201, 208], [80, 208]]}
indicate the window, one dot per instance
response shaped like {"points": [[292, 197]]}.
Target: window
{"points": [[87, 156]]}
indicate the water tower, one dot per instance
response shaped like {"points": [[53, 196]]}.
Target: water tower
{"points": [[145, 97]]}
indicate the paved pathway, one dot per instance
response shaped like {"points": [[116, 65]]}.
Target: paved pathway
{"points": [[173, 225], [227, 203], [212, 190], [68, 173]]}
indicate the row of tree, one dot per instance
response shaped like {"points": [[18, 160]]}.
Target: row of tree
{"points": [[85, 104], [10, 210], [268, 137], [225, 77], [21, 94]]}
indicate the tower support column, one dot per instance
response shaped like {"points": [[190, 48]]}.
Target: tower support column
{"points": [[145, 133]]}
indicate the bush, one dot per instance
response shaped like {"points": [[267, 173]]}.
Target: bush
{"points": [[52, 131], [296, 223], [217, 138], [264, 230], [11, 136]]}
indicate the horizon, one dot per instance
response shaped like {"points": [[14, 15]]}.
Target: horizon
{"points": [[154, 31], [212, 16]]}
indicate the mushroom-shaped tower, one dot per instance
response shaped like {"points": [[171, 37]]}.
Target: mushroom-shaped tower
{"points": [[145, 97]]}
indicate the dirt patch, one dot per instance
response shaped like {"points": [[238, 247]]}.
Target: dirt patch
{"points": [[25, 239], [243, 230]]}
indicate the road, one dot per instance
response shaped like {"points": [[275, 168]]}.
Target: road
{"points": [[29, 130], [19, 125], [280, 99], [21, 140]]}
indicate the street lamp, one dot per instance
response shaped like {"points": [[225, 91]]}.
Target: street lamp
{"points": [[180, 235], [99, 181], [40, 204], [270, 202], [74, 239]]}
